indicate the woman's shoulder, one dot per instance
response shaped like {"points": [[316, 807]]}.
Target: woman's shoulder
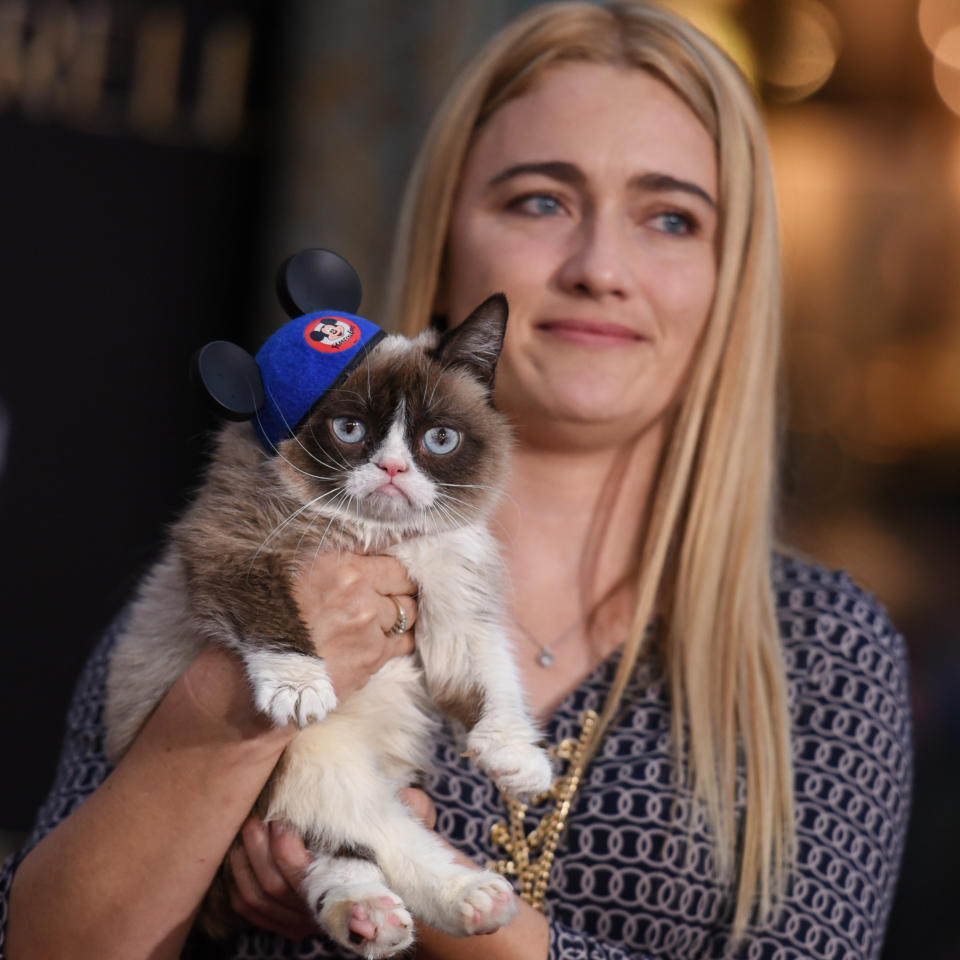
{"points": [[848, 687], [823, 612]]}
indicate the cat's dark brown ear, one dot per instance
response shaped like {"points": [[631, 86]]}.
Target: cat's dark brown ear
{"points": [[476, 343]]}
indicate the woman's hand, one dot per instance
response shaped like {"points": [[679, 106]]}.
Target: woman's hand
{"points": [[267, 865], [350, 604]]}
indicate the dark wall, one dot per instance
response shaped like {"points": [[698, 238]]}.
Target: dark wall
{"points": [[125, 245]]}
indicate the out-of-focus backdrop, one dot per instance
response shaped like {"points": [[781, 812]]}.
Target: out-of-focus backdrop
{"points": [[159, 158]]}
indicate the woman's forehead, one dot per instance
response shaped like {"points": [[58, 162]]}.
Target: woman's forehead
{"points": [[608, 121]]}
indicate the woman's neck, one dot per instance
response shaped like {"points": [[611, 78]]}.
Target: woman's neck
{"points": [[571, 527], [578, 515]]}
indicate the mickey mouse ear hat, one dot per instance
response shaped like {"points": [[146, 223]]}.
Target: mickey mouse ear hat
{"points": [[303, 359]]}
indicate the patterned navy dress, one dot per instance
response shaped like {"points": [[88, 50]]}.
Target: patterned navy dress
{"points": [[628, 882]]}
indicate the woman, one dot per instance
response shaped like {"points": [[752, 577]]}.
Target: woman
{"points": [[744, 773]]}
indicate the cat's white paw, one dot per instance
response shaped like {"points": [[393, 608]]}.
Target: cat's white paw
{"points": [[290, 687], [484, 904], [367, 919], [518, 767]]}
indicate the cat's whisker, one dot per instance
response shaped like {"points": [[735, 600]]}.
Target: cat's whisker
{"points": [[276, 448], [448, 498], [286, 522], [436, 385], [450, 513], [472, 486], [326, 529]]}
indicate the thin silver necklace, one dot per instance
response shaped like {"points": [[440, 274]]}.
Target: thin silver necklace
{"points": [[547, 657]]}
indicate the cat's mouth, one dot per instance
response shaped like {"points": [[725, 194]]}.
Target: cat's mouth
{"points": [[391, 491], [389, 502]]}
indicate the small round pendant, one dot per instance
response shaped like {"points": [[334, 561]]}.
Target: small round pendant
{"points": [[546, 658]]}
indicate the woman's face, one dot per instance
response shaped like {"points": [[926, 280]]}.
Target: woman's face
{"points": [[590, 201]]}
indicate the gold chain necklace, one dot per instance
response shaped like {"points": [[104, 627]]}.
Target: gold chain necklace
{"points": [[531, 868]]}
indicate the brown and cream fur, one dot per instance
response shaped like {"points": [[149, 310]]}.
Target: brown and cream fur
{"points": [[257, 522]]}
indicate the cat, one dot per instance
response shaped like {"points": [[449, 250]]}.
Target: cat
{"points": [[225, 576]]}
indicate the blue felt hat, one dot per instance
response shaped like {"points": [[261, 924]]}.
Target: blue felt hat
{"points": [[302, 361]]}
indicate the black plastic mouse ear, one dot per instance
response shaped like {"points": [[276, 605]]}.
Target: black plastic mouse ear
{"points": [[231, 379], [318, 279]]}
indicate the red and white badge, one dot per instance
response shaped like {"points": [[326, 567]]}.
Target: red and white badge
{"points": [[331, 334]]}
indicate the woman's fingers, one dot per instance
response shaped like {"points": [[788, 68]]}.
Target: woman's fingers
{"points": [[388, 576], [401, 614], [351, 604], [267, 867], [421, 805], [289, 854], [257, 839]]}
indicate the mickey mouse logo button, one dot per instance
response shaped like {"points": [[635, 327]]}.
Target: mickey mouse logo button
{"points": [[331, 334]]}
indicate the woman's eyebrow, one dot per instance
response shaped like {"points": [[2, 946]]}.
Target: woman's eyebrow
{"points": [[664, 182], [555, 169]]}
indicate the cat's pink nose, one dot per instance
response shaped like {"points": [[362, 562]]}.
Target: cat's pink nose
{"points": [[392, 467]]}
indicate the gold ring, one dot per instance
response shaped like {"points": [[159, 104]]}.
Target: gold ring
{"points": [[401, 623]]}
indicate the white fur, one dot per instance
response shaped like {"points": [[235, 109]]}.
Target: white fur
{"points": [[290, 687]]}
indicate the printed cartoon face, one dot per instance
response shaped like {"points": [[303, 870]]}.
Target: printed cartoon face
{"points": [[331, 333]]}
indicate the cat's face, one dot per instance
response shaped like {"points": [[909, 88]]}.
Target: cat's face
{"points": [[410, 440]]}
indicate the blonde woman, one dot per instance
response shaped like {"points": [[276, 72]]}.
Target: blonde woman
{"points": [[733, 725]]}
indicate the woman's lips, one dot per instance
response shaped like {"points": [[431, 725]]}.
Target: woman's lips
{"points": [[590, 333]]}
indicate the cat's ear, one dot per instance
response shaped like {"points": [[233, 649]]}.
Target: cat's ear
{"points": [[476, 343]]}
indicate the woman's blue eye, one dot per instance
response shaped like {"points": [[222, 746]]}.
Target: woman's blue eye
{"points": [[348, 429], [676, 223], [440, 440], [538, 205]]}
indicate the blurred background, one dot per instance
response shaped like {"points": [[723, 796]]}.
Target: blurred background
{"points": [[158, 160]]}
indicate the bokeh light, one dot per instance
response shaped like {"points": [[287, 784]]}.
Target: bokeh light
{"points": [[715, 20], [946, 77], [935, 18], [807, 53]]}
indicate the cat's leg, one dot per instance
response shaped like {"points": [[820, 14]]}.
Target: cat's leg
{"points": [[289, 686], [504, 741], [354, 905], [443, 893], [467, 656]]}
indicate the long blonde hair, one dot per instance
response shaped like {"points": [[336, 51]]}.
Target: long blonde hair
{"points": [[710, 533]]}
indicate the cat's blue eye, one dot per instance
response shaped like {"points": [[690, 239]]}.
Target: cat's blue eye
{"points": [[440, 440], [348, 429]]}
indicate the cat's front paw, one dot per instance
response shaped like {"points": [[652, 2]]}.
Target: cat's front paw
{"points": [[519, 768], [367, 919], [290, 687]]}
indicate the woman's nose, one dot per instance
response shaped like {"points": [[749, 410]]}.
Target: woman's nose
{"points": [[599, 263]]}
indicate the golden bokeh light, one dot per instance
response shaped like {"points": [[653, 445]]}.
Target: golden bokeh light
{"points": [[935, 18], [947, 50], [807, 54], [715, 21], [947, 81]]}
